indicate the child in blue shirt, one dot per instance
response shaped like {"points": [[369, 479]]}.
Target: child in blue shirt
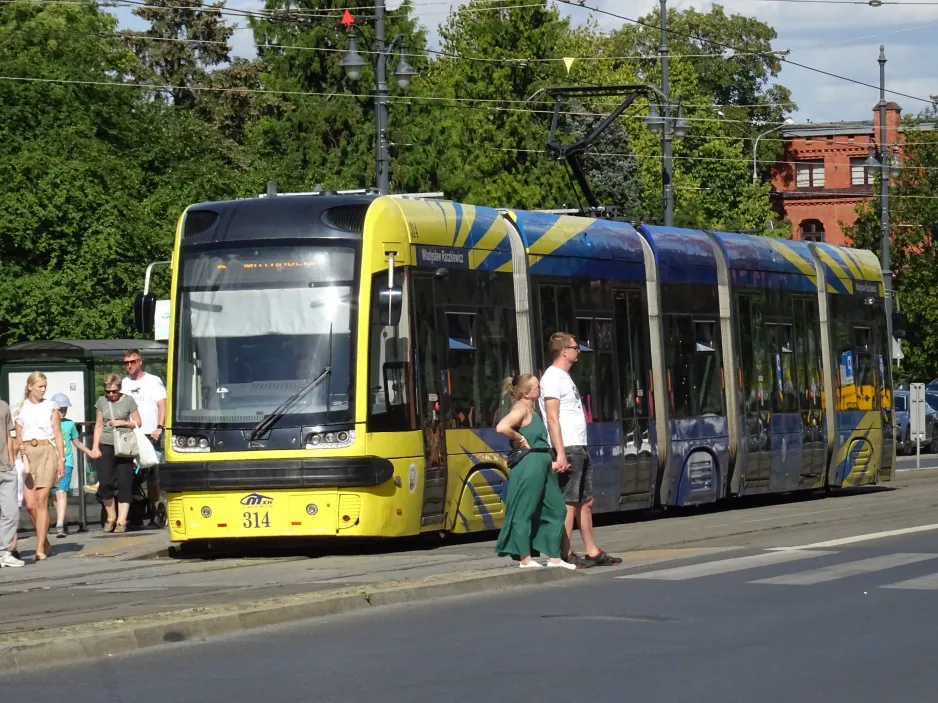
{"points": [[70, 437]]}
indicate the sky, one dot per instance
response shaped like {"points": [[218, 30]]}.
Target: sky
{"points": [[838, 36]]}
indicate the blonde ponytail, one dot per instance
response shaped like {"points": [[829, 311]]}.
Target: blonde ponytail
{"points": [[517, 386]]}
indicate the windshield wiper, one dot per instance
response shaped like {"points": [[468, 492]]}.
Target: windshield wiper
{"points": [[261, 427]]}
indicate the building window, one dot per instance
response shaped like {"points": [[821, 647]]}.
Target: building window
{"points": [[859, 176], [812, 231], [809, 174]]}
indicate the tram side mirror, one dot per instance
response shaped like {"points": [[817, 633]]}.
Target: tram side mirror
{"points": [[899, 325], [390, 303], [144, 312]]}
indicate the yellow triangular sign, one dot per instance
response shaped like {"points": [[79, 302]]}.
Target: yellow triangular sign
{"points": [[568, 62]]}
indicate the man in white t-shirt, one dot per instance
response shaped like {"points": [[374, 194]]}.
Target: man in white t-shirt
{"points": [[566, 426], [150, 395]]}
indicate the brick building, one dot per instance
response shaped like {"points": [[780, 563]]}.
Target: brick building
{"points": [[821, 179]]}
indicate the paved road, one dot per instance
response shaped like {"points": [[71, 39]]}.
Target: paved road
{"points": [[98, 577], [926, 462], [826, 619]]}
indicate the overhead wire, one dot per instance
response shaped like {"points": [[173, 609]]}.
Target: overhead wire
{"points": [[713, 42]]}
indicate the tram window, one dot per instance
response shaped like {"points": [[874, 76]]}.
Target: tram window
{"points": [[460, 328], [390, 373], [680, 356], [556, 315], [812, 356], [591, 295], [594, 375], [882, 355], [638, 327], [548, 320], [707, 370], [426, 338], [788, 379], [762, 378], [482, 352], [744, 317], [866, 389]]}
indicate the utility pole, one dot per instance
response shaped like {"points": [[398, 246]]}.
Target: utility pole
{"points": [[884, 204], [382, 176], [667, 161]]}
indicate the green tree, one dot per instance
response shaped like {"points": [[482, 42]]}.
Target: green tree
{"points": [[913, 216], [324, 130], [93, 173], [727, 96], [185, 40], [610, 165], [470, 133]]}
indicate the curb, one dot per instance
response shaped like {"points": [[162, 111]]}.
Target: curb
{"points": [[120, 637]]}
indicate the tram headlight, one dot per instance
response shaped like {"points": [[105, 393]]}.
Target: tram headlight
{"points": [[191, 443], [328, 440]]}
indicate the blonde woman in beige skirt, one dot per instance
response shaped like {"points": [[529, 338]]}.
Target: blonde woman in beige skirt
{"points": [[40, 440]]}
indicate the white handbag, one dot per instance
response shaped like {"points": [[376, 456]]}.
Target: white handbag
{"points": [[125, 443]]}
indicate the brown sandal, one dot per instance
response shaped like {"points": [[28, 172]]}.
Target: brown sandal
{"points": [[109, 526], [120, 528]]}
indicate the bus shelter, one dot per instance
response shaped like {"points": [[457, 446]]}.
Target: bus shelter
{"points": [[75, 367]]}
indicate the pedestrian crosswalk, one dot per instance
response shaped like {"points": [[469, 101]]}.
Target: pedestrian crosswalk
{"points": [[797, 574]]}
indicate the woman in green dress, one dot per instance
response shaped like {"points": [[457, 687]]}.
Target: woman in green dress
{"points": [[535, 509]]}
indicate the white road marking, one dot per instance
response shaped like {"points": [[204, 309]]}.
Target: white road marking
{"points": [[724, 566], [850, 568], [921, 583], [858, 538]]}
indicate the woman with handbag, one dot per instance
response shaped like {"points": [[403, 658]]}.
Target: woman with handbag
{"points": [[40, 443], [114, 449], [535, 509]]}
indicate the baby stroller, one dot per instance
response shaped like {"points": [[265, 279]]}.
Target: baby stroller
{"points": [[140, 512]]}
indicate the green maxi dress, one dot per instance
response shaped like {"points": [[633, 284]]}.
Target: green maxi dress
{"points": [[535, 509]]}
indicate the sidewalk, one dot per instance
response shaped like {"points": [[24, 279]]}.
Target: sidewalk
{"points": [[98, 583]]}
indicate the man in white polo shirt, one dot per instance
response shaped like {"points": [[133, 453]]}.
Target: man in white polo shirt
{"points": [[150, 395], [566, 426]]}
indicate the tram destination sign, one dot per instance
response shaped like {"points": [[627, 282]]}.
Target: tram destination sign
{"points": [[866, 288], [442, 257]]}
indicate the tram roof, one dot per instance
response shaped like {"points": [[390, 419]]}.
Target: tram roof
{"points": [[757, 253], [579, 237], [280, 217], [683, 255]]}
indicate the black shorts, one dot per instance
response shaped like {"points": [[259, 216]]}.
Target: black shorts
{"points": [[577, 481]]}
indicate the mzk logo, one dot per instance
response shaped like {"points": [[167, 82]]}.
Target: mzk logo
{"points": [[256, 499]]}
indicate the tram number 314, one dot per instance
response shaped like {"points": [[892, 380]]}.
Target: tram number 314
{"points": [[256, 520]]}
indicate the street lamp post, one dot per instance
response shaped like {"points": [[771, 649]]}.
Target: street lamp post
{"points": [[665, 123], [353, 64], [886, 162], [755, 146]]}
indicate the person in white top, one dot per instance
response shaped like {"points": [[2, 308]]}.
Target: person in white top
{"points": [[150, 395], [566, 427], [40, 440]]}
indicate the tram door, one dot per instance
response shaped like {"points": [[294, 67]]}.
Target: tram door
{"points": [[639, 442], [757, 383], [434, 402], [884, 388]]}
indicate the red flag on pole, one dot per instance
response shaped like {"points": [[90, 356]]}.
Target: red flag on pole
{"points": [[347, 20]]}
